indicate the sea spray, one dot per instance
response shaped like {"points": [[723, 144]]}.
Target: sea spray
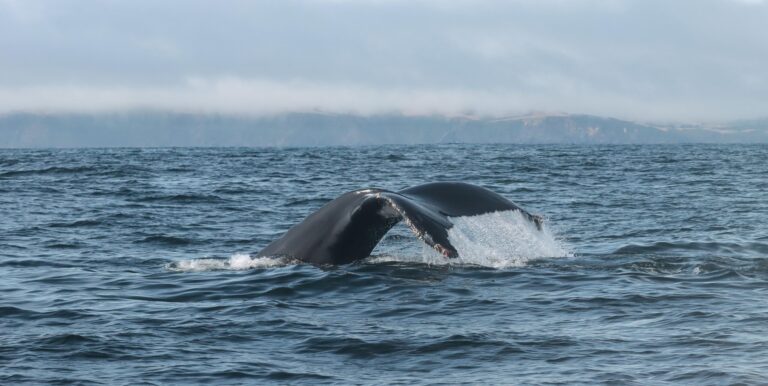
{"points": [[497, 240], [503, 239], [236, 262]]}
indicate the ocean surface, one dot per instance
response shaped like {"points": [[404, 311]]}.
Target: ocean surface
{"points": [[137, 266]]}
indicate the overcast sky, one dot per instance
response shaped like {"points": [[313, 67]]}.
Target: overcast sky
{"points": [[644, 59]]}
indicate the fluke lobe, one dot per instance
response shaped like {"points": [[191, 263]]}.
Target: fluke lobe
{"points": [[349, 227]]}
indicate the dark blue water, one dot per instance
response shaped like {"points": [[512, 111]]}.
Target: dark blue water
{"points": [[122, 266]]}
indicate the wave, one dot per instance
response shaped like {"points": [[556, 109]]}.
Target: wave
{"points": [[75, 224], [182, 198], [34, 263], [50, 170], [166, 240], [28, 314], [729, 248], [359, 348], [236, 262], [308, 202]]}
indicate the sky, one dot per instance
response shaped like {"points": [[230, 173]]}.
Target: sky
{"points": [[636, 59]]}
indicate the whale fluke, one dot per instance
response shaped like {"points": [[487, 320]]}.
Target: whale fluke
{"points": [[349, 227]]}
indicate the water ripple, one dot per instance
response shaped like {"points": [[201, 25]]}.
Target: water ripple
{"points": [[139, 265]]}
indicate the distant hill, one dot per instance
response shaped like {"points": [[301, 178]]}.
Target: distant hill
{"points": [[322, 129], [561, 128]]}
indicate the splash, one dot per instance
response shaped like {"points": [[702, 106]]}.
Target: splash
{"points": [[497, 240], [236, 262], [503, 239]]}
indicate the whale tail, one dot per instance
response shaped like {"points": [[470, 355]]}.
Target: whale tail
{"points": [[348, 228]]}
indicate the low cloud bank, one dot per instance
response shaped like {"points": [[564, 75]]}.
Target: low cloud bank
{"points": [[256, 97]]}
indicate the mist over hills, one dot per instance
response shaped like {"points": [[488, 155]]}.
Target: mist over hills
{"points": [[159, 129]]}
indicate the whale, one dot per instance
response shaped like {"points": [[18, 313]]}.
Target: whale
{"points": [[348, 228]]}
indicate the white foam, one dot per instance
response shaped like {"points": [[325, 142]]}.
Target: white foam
{"points": [[498, 240], [236, 262], [503, 239], [428, 256]]}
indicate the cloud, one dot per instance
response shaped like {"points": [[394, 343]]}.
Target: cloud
{"points": [[254, 97], [688, 59], [264, 97]]}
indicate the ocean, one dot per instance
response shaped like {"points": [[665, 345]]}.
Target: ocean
{"points": [[138, 266]]}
